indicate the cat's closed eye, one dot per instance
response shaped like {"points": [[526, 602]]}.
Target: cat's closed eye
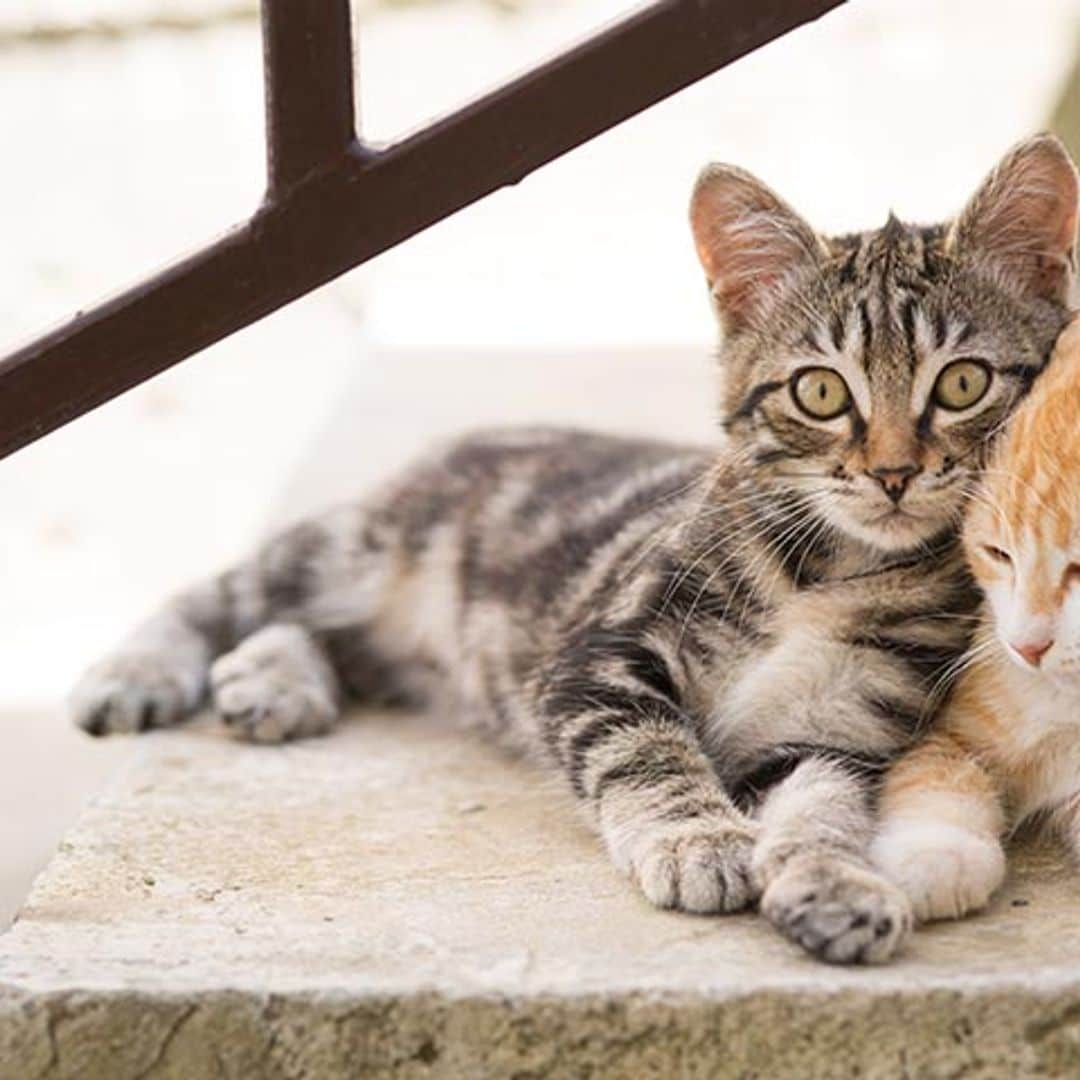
{"points": [[999, 555]]}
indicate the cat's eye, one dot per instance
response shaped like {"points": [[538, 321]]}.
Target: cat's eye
{"points": [[1072, 574], [821, 393], [961, 384], [997, 554]]}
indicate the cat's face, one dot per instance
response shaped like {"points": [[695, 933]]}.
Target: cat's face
{"points": [[1022, 533], [866, 373]]}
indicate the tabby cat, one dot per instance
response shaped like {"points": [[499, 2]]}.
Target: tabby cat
{"points": [[720, 648], [1007, 747]]}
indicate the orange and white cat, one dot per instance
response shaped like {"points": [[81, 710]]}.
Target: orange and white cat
{"points": [[1007, 746]]}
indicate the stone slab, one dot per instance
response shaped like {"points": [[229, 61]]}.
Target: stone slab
{"points": [[401, 900]]}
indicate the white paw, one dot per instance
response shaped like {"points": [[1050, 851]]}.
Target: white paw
{"points": [[695, 867], [837, 910], [274, 687], [946, 871], [134, 691]]}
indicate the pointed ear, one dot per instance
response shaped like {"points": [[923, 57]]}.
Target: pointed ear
{"points": [[1022, 220], [748, 240]]}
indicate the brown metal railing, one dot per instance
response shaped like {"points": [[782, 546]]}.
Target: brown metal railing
{"points": [[333, 202]]}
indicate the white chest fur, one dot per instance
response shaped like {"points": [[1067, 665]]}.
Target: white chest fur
{"points": [[808, 686], [1044, 741]]}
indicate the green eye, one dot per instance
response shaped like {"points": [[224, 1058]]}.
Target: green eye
{"points": [[821, 393], [962, 384]]}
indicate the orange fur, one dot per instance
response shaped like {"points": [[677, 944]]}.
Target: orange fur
{"points": [[1008, 744]]}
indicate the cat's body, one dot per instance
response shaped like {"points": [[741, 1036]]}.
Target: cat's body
{"points": [[1007, 748], [569, 593], [718, 649]]}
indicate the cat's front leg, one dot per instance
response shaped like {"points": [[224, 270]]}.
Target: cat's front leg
{"points": [[818, 887], [632, 755], [667, 822], [941, 820]]}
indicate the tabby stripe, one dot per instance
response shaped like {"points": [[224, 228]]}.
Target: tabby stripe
{"points": [[569, 697], [646, 766], [926, 418], [692, 595], [941, 329], [899, 714], [907, 322], [1025, 373], [602, 726], [595, 731], [683, 788], [836, 331], [592, 536], [928, 661], [781, 761], [801, 440], [650, 668], [847, 270], [753, 400], [771, 457], [858, 428], [690, 808], [290, 566], [867, 327], [642, 662]]}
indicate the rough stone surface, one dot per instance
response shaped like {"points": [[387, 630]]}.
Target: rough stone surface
{"points": [[399, 899]]}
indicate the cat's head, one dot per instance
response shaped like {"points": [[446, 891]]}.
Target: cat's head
{"points": [[867, 372], [1022, 533]]}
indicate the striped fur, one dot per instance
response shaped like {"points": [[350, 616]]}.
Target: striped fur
{"points": [[719, 649]]}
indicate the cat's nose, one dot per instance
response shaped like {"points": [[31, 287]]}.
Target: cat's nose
{"points": [[1034, 651], [894, 479]]}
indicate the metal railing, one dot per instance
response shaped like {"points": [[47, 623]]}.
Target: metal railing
{"points": [[333, 202]]}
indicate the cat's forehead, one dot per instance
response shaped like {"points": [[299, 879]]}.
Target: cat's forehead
{"points": [[896, 256], [1035, 474], [1031, 492], [887, 296], [884, 301]]}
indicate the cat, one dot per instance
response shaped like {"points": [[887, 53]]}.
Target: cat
{"points": [[719, 648], [1007, 746]]}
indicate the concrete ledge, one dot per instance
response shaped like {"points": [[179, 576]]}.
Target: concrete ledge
{"points": [[402, 900]]}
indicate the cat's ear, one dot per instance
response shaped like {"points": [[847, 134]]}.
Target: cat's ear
{"points": [[1022, 220], [748, 241]]}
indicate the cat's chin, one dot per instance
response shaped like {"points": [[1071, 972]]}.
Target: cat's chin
{"points": [[893, 531]]}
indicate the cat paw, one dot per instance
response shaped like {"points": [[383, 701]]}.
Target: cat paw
{"points": [[274, 687], [837, 910], [133, 691], [946, 871], [699, 869]]}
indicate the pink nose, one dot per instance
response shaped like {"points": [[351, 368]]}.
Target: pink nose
{"points": [[1034, 651]]}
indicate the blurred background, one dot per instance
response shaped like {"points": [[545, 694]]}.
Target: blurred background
{"points": [[132, 132]]}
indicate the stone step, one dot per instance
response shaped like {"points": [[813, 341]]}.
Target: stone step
{"points": [[400, 899]]}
